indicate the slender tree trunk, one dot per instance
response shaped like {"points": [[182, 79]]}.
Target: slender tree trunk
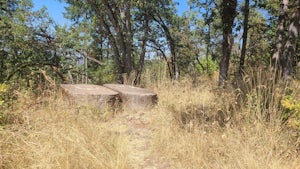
{"points": [[279, 35], [245, 37], [173, 53], [169, 65], [172, 45], [85, 70], [208, 36], [228, 13], [113, 42], [164, 56], [224, 64], [118, 29], [101, 49], [129, 39], [116, 53], [207, 49], [142, 56], [289, 52], [200, 64]]}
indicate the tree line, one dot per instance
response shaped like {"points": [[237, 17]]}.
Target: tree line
{"points": [[114, 39]]}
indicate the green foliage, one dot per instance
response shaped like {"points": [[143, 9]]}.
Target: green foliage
{"points": [[27, 46], [259, 48], [291, 114], [3, 100], [3, 94], [104, 74], [6, 98], [212, 66]]}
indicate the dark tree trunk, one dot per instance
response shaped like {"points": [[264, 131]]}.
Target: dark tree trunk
{"points": [[172, 46], [279, 35], [228, 13], [172, 50], [245, 37], [289, 53], [208, 35], [129, 39]]}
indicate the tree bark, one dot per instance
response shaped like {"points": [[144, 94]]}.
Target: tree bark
{"points": [[245, 37], [289, 52], [115, 18], [129, 39], [279, 34], [146, 28], [228, 13], [208, 37]]}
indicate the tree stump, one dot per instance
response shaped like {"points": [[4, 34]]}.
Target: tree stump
{"points": [[134, 97], [93, 95]]}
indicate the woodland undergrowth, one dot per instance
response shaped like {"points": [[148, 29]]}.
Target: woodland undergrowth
{"points": [[253, 123]]}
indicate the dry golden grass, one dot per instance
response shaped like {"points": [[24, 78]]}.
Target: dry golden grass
{"points": [[189, 133], [52, 134], [191, 127]]}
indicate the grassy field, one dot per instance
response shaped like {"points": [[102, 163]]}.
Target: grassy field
{"points": [[49, 133], [193, 127], [199, 128]]}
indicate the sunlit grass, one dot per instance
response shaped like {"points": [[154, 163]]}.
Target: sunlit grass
{"points": [[54, 134], [192, 126], [190, 135]]}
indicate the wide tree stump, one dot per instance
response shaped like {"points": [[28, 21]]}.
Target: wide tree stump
{"points": [[93, 95], [134, 97]]}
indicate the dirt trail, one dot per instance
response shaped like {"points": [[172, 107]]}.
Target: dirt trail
{"points": [[137, 126]]}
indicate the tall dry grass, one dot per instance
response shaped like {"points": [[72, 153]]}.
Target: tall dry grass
{"points": [[205, 127], [49, 133], [194, 126]]}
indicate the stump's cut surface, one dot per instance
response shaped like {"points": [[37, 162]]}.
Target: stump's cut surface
{"points": [[134, 97], [94, 95]]}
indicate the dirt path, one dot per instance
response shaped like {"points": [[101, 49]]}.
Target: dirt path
{"points": [[137, 126]]}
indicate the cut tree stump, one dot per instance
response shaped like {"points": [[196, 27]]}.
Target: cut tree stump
{"points": [[94, 95], [134, 97]]}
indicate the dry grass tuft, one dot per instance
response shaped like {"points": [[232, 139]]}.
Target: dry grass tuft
{"points": [[238, 141], [53, 134], [191, 127]]}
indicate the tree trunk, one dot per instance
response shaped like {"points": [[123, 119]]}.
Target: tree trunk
{"points": [[228, 13], [129, 38], [245, 36], [116, 21], [289, 52], [279, 34], [142, 56], [172, 46], [173, 53], [169, 65], [208, 37]]}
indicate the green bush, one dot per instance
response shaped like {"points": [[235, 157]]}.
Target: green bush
{"points": [[7, 96], [104, 74], [212, 66], [291, 113], [4, 99], [3, 95]]}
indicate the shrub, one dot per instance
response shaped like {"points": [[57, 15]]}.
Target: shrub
{"points": [[291, 114], [212, 66], [6, 97], [3, 93]]}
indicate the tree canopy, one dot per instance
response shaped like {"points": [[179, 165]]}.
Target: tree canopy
{"points": [[113, 40]]}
